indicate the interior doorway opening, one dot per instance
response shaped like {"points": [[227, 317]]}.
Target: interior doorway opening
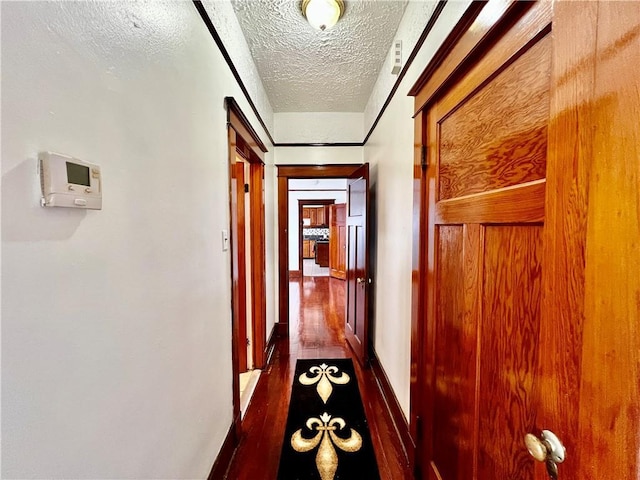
{"points": [[329, 186], [248, 368], [314, 240], [248, 258]]}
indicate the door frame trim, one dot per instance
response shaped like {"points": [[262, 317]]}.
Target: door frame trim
{"points": [[284, 173], [243, 141]]}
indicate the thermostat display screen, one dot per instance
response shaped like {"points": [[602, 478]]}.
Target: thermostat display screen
{"points": [[78, 174]]}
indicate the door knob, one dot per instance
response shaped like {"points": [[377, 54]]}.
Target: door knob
{"points": [[548, 448]]}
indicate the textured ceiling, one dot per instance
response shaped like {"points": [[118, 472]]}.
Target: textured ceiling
{"points": [[307, 70]]}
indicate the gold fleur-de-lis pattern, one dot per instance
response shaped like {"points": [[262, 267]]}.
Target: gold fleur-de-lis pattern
{"points": [[327, 457], [324, 375]]}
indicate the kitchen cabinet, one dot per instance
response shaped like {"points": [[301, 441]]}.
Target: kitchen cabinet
{"points": [[318, 216], [338, 241], [308, 249], [322, 253]]}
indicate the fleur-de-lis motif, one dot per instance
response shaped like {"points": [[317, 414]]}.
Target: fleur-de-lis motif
{"points": [[326, 458], [324, 375]]}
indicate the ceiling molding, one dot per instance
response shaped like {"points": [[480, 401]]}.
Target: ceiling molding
{"points": [[214, 33], [216, 37], [423, 37], [321, 144]]}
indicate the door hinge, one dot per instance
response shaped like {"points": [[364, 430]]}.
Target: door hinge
{"points": [[424, 162], [246, 188]]}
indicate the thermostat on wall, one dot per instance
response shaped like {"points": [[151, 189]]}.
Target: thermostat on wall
{"points": [[68, 182]]}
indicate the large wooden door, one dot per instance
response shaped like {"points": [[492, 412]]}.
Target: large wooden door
{"points": [[530, 208], [357, 287], [487, 146]]}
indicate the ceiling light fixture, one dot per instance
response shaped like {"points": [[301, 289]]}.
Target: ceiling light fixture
{"points": [[322, 14]]}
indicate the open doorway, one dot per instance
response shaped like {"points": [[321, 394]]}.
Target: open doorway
{"points": [[248, 367], [309, 238], [297, 183], [313, 232]]}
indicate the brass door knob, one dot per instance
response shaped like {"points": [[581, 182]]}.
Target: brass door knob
{"points": [[548, 448]]}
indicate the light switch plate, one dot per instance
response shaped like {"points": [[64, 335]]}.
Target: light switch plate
{"points": [[225, 240]]}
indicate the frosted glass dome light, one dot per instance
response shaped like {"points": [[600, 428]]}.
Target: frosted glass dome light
{"points": [[322, 14]]}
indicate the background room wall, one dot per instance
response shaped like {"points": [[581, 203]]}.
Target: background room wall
{"points": [[116, 331], [318, 127], [320, 189], [317, 155]]}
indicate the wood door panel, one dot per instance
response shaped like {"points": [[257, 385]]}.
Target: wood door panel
{"points": [[510, 318], [357, 264], [338, 241], [486, 190], [342, 250], [357, 321], [454, 367], [356, 192], [534, 21], [521, 203], [498, 136]]}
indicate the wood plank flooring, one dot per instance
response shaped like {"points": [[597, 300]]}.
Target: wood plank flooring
{"points": [[316, 331]]}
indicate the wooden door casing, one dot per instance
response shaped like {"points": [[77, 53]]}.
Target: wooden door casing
{"points": [[590, 394], [244, 142], [486, 143], [320, 220], [241, 312], [357, 281]]}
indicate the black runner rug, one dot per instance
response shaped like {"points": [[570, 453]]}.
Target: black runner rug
{"points": [[327, 436]]}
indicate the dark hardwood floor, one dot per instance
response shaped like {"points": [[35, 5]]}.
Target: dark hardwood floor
{"points": [[316, 331]]}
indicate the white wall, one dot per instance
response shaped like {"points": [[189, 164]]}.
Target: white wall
{"points": [[317, 184], [229, 30], [318, 127], [415, 18], [389, 151], [319, 189], [317, 155], [271, 241], [116, 338]]}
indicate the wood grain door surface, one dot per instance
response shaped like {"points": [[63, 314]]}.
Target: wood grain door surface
{"points": [[338, 241], [357, 284], [589, 378], [532, 266]]}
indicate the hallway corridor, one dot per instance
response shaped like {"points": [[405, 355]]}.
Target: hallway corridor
{"points": [[316, 331]]}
